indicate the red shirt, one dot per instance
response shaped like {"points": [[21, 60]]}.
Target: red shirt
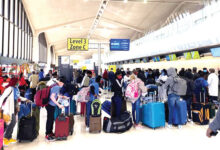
{"points": [[22, 82]]}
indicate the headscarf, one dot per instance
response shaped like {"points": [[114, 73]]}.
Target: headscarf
{"points": [[12, 82]]}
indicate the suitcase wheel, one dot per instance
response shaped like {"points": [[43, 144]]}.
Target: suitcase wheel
{"points": [[71, 132], [64, 138]]}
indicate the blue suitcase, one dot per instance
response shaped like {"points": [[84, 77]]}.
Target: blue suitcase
{"points": [[180, 113], [153, 114]]}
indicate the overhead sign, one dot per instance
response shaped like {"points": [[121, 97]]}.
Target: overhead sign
{"points": [[77, 44], [112, 67], [75, 61], [119, 44], [215, 52], [83, 68], [195, 55], [188, 56]]}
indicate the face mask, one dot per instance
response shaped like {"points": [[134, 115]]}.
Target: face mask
{"points": [[120, 77]]}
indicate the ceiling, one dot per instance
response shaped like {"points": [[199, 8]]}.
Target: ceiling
{"points": [[61, 19]]}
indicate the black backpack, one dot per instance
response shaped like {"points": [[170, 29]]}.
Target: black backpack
{"points": [[71, 89]]}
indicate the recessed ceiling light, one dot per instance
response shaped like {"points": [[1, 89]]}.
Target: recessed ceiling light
{"points": [[125, 1], [85, 0], [145, 1]]}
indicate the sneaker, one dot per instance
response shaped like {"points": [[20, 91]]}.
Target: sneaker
{"points": [[53, 135], [180, 126], [189, 120], [138, 126], [12, 141], [87, 129], [169, 126], [49, 138], [6, 142]]}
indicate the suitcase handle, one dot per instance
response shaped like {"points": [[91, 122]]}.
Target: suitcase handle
{"points": [[61, 118]]}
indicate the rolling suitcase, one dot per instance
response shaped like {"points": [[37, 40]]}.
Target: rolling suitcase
{"points": [[1, 130], [95, 124], [200, 112], [180, 113], [62, 127], [27, 128], [153, 114]]}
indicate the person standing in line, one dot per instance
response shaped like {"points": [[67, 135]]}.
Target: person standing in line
{"points": [[54, 94], [10, 106], [213, 82], [162, 94], [173, 98], [117, 88], [34, 79], [136, 103]]}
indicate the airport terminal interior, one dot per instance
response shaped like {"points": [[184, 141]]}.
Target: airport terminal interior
{"points": [[148, 69]]}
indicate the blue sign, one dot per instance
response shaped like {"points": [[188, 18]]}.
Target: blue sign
{"points": [[119, 44], [215, 52]]}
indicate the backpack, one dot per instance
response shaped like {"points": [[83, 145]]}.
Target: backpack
{"points": [[42, 97], [83, 94], [179, 86], [118, 125], [132, 92], [96, 107], [29, 94], [86, 81]]}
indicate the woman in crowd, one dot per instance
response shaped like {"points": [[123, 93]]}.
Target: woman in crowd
{"points": [[10, 107]]}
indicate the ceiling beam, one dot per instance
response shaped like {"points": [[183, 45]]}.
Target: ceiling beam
{"points": [[123, 25], [62, 24], [159, 1], [171, 15]]}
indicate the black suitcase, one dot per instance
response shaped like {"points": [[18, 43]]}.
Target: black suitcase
{"points": [[27, 129], [200, 112]]}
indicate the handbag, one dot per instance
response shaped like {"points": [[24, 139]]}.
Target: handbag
{"points": [[5, 117]]}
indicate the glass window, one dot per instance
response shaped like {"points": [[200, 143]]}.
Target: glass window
{"points": [[20, 14], [5, 48], [6, 8], [11, 10], [1, 7], [23, 19], [31, 48], [26, 47], [1, 33], [19, 43], [16, 42], [23, 48], [16, 12], [11, 41]]}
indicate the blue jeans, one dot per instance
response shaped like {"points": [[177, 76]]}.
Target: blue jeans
{"points": [[189, 103], [88, 112], [172, 102], [117, 101], [136, 110]]}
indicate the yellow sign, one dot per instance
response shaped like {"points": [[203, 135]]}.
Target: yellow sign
{"points": [[84, 68], [75, 61], [77, 44], [112, 67]]}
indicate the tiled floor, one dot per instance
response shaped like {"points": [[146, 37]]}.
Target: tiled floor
{"points": [[190, 137]]}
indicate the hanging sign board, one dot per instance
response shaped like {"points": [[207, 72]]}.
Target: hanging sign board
{"points": [[77, 44], [119, 44]]}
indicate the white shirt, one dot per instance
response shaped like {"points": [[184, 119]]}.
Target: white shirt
{"points": [[213, 84], [126, 79], [51, 82]]}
